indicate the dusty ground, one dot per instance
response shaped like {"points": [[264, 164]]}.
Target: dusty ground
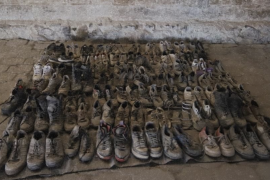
{"points": [[248, 64]]}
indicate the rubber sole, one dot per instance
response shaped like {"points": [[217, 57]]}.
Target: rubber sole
{"points": [[139, 156]]}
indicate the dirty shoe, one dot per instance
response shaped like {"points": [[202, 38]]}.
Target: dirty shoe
{"points": [[186, 119], [14, 123], [28, 120], [235, 106], [65, 86], [5, 146], [37, 72], [122, 113], [74, 142], [87, 150], [108, 114], [54, 83], [139, 148], [224, 143], [104, 141], [152, 133], [264, 134], [83, 117], [197, 120], [55, 113], [96, 113]]}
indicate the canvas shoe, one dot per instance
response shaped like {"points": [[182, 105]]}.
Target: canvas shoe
{"points": [[104, 141], [208, 114], [107, 113], [73, 144], [37, 72], [36, 152], [65, 86], [235, 106], [17, 159], [54, 153], [83, 117], [86, 152], [14, 123], [54, 83], [122, 113], [197, 120], [28, 120], [240, 143], [224, 143], [5, 147], [170, 146], [152, 133], [55, 113], [259, 149]]}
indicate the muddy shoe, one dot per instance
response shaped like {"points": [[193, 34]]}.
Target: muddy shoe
{"points": [[240, 143], [65, 86], [14, 123], [28, 120], [17, 158], [37, 72], [139, 148], [104, 141], [108, 114], [83, 119], [54, 154], [96, 114], [191, 147], [87, 151], [55, 113], [153, 139], [235, 106], [5, 146], [74, 142], [259, 149], [36, 153], [186, 119], [54, 83], [171, 149], [122, 113]]}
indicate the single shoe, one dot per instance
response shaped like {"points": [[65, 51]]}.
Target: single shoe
{"points": [[224, 143], [42, 117], [236, 105], [240, 143], [259, 149], [17, 159], [28, 120], [14, 123], [5, 147], [248, 115], [192, 80], [104, 141], [37, 72], [71, 103], [152, 133], [264, 134], [76, 78], [199, 94], [170, 146], [83, 117], [188, 144], [122, 113], [204, 81], [53, 85], [55, 113], [209, 143], [157, 101], [47, 71], [181, 82], [122, 95], [86, 152], [36, 152], [166, 96], [96, 114], [74, 142], [208, 114], [136, 117], [121, 142], [186, 119], [65, 86], [197, 120], [209, 92], [107, 113], [70, 119], [41, 85], [189, 95], [139, 148], [54, 154]]}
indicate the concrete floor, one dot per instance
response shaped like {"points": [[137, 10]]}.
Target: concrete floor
{"points": [[248, 64]]}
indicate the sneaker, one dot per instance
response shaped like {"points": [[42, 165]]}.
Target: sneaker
{"points": [[171, 149], [86, 152], [42, 118], [54, 154], [122, 95], [28, 120], [235, 106], [208, 114], [209, 92], [36, 152], [74, 142], [248, 115], [41, 85], [37, 72], [162, 46], [121, 142], [224, 143], [209, 144], [136, 117], [240, 143], [76, 78], [47, 71], [197, 120], [55, 113], [199, 94], [189, 146], [108, 114], [54, 83], [70, 119], [14, 123], [83, 119], [264, 134], [181, 82], [259, 149], [139, 148], [165, 96], [192, 80], [157, 101], [17, 159], [5, 147], [186, 119], [50, 49], [153, 139], [104, 141], [188, 95], [96, 113], [122, 113]]}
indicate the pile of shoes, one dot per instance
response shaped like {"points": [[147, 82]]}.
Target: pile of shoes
{"points": [[142, 100]]}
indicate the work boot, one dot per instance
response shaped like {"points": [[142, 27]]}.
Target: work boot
{"points": [[122, 113], [55, 113], [108, 114], [14, 123], [83, 118], [153, 139], [104, 141], [224, 143], [74, 142], [235, 106], [28, 120], [65, 86], [53, 85], [5, 147]]}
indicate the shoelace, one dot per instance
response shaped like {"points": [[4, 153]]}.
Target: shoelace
{"points": [[15, 151], [139, 142], [211, 141], [120, 142], [226, 139], [105, 141], [36, 149], [153, 137], [241, 138]]}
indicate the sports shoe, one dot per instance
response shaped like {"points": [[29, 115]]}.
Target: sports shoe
{"points": [[171, 149], [209, 92], [248, 115], [17, 159], [104, 141], [208, 114], [108, 114], [199, 94], [54, 154], [224, 143], [136, 117], [197, 120], [153, 139], [186, 119], [37, 72], [70, 119], [122, 113], [41, 84], [139, 148], [209, 143], [76, 78], [65, 86], [5, 146], [74, 142], [86, 152], [188, 95], [83, 119], [166, 96], [192, 80], [259, 149], [181, 82], [47, 71], [121, 142], [54, 83], [189, 146], [240, 143], [235, 106], [36, 152], [157, 101], [14, 123], [55, 113], [28, 120], [42, 117], [264, 134], [96, 113]]}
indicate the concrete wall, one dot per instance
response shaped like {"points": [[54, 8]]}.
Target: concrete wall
{"points": [[226, 21]]}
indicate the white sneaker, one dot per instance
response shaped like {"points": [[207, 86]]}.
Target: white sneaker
{"points": [[47, 71], [37, 72]]}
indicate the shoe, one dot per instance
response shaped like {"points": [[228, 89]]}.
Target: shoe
{"points": [[70, 120], [54, 154], [5, 147], [47, 71], [192, 80], [42, 118], [37, 72], [197, 120], [17, 159], [224, 143], [153, 139], [171, 149], [83, 119], [186, 119], [74, 142], [49, 49], [55, 113], [76, 78], [166, 96], [86, 152], [162, 46], [71, 103], [59, 50], [240, 143], [188, 95], [209, 144], [248, 115], [235, 106], [41, 84], [65, 86], [96, 113], [264, 134], [54, 83], [28, 120], [66, 59], [255, 109], [157, 101], [36, 152], [209, 92], [121, 142], [104, 142], [122, 95], [136, 117], [189, 146], [107, 113], [181, 82], [139, 148], [14, 123], [259, 149], [122, 113], [208, 114]]}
